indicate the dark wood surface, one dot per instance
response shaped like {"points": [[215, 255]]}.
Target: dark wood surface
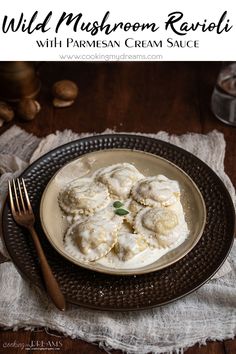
{"points": [[138, 97]]}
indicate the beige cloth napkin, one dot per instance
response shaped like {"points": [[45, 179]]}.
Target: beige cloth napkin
{"points": [[208, 313]]}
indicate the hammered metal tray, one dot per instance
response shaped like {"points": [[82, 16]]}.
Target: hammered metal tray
{"points": [[109, 292]]}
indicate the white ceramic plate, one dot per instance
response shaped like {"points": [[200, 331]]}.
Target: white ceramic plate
{"points": [[54, 224]]}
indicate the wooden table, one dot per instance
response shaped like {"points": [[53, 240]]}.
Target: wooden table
{"points": [[138, 97]]}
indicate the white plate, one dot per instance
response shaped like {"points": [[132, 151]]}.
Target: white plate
{"points": [[54, 224]]}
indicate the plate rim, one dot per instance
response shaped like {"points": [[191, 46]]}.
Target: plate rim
{"points": [[123, 272]]}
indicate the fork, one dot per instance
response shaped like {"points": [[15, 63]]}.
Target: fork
{"points": [[23, 215]]}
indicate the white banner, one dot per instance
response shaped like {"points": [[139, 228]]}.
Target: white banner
{"points": [[113, 31]]}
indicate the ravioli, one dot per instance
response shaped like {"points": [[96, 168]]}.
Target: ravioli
{"points": [[156, 191], [133, 207], [119, 178], [83, 196], [160, 226], [91, 239], [99, 230], [129, 245]]}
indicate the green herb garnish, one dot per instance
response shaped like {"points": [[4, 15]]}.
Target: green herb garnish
{"points": [[121, 212], [117, 204]]}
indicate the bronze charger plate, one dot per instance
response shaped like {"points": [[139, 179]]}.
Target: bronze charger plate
{"points": [[111, 292]]}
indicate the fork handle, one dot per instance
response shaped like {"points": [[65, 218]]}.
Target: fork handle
{"points": [[49, 279]]}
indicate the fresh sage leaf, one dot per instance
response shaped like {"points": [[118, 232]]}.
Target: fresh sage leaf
{"points": [[117, 204], [121, 212]]}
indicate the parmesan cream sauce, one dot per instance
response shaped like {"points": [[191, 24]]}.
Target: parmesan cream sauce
{"points": [[144, 258]]}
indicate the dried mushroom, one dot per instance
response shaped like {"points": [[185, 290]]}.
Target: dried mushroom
{"points": [[6, 112], [28, 108], [64, 93]]}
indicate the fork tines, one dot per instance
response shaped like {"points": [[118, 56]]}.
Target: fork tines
{"points": [[19, 199]]}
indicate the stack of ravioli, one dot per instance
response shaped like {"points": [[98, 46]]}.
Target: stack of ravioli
{"points": [[152, 216]]}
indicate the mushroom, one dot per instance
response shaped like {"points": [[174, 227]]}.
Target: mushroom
{"points": [[28, 108], [64, 92], [6, 112]]}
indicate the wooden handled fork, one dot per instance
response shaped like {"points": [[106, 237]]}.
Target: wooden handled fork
{"points": [[23, 215]]}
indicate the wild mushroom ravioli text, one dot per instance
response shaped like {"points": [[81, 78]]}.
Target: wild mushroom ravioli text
{"points": [[176, 23]]}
